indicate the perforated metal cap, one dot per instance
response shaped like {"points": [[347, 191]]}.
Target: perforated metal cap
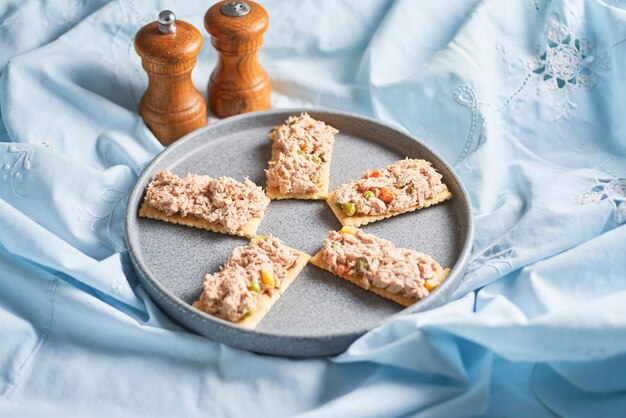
{"points": [[235, 8]]}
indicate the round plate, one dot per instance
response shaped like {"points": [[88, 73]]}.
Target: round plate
{"points": [[319, 314]]}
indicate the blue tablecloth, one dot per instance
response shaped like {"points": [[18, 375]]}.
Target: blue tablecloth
{"points": [[527, 98]]}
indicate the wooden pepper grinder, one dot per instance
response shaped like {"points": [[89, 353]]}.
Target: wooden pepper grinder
{"points": [[238, 84], [171, 106]]}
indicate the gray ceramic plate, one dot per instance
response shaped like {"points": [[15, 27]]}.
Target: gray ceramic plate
{"points": [[319, 314]]}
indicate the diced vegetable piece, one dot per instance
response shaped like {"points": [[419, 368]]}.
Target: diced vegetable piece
{"points": [[348, 230], [250, 312], [259, 238], [254, 286], [315, 159], [362, 265], [342, 269], [374, 174], [409, 189], [339, 205], [368, 194], [387, 195], [267, 278], [349, 208], [300, 152], [430, 285]]}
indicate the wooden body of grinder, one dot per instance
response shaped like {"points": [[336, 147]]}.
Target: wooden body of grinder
{"points": [[238, 84], [171, 106]]}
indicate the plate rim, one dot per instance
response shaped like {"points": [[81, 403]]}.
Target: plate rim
{"points": [[146, 279]]}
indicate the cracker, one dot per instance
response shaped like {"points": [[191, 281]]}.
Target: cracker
{"points": [[275, 194], [359, 220], [318, 260], [265, 301], [248, 230]]}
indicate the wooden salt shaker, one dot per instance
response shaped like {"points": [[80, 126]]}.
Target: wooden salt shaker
{"points": [[238, 84], [171, 106]]}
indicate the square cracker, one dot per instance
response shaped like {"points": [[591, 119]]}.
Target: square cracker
{"points": [[359, 220], [265, 301], [318, 260], [248, 230], [275, 194]]}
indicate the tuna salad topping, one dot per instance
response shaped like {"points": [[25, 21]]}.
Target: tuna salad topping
{"points": [[224, 200], [301, 146], [400, 186], [378, 263], [295, 173], [257, 268]]}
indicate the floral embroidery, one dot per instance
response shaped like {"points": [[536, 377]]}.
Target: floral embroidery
{"points": [[612, 190], [496, 256], [466, 96], [16, 170], [122, 50], [567, 60], [45, 144], [116, 200]]}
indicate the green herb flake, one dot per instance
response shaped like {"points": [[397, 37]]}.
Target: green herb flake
{"points": [[254, 286], [362, 265]]}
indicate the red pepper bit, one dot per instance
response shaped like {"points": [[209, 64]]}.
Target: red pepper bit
{"points": [[342, 269], [387, 195], [371, 174]]}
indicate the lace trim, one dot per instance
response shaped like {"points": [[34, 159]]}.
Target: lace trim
{"points": [[612, 190], [567, 61]]}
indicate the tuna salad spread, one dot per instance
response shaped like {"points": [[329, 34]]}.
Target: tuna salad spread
{"points": [[401, 186], [378, 263], [224, 200], [301, 151], [257, 268]]}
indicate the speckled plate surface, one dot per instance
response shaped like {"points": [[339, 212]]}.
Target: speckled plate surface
{"points": [[319, 314]]}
